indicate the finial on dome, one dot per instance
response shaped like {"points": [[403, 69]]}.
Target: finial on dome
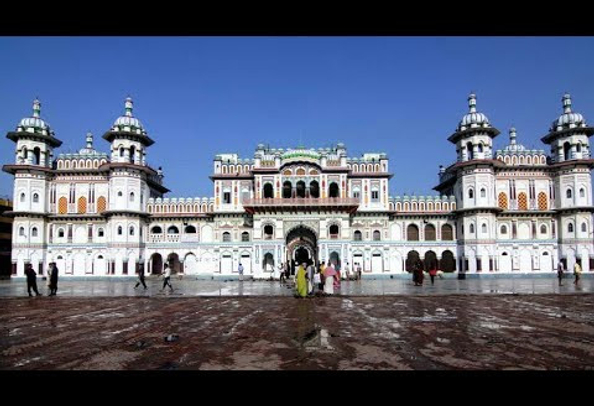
{"points": [[129, 106], [89, 140], [472, 102], [567, 103], [36, 108], [512, 136]]}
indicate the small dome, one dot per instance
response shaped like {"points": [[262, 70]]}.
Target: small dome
{"points": [[128, 120], [473, 119], [35, 123], [513, 145], [568, 119]]}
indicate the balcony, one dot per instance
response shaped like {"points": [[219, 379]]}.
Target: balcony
{"points": [[300, 203]]}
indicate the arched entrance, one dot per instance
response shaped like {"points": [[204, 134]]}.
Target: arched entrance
{"points": [[430, 260], [335, 259], [301, 243], [448, 263], [174, 264], [411, 259], [156, 264]]}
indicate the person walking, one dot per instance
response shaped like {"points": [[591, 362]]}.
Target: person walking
{"points": [[301, 281], [359, 272], [347, 272], [432, 274], [283, 273], [577, 272], [140, 277], [53, 279], [329, 278], [240, 269], [167, 278], [310, 278], [31, 280], [560, 270]]}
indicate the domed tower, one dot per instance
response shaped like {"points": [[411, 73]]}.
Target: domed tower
{"points": [[131, 183], [472, 181], [32, 168], [571, 163]]}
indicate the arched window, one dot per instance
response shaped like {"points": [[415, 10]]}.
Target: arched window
{"points": [[412, 233], [447, 233], [503, 229], [471, 229], [568, 193], [522, 201], [245, 236], [566, 151], [430, 232], [357, 236], [190, 230], [376, 235], [334, 190], [60, 233], [121, 152], [470, 193], [172, 230], [469, 151], [502, 200], [131, 230], [100, 232], [570, 228], [582, 193], [543, 229], [480, 147], [300, 188], [120, 194], [484, 228], [268, 232], [22, 231], [584, 228], [120, 230], [37, 156], [483, 192], [131, 196], [156, 230], [578, 147], [36, 197], [226, 236], [333, 231], [22, 198], [287, 190], [268, 191], [34, 232], [314, 189]]}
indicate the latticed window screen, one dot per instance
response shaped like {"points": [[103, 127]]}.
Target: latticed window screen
{"points": [[522, 201], [82, 205], [62, 205], [412, 233], [101, 204], [502, 199], [542, 201]]}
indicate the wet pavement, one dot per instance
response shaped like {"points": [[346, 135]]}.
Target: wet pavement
{"points": [[452, 331], [187, 287]]}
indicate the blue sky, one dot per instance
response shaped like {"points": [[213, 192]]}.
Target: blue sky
{"points": [[199, 96]]}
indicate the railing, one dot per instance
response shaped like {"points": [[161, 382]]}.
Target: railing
{"points": [[302, 201], [156, 238]]}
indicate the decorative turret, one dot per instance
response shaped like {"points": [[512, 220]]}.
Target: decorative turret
{"points": [[568, 135], [474, 134], [128, 138], [35, 139]]}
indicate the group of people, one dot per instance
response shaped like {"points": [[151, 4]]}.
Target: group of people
{"points": [[32, 279], [418, 270], [577, 272], [325, 279], [166, 274]]}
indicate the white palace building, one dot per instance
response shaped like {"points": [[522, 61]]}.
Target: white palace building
{"points": [[513, 210]]}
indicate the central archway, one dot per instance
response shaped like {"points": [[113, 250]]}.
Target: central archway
{"points": [[301, 246]]}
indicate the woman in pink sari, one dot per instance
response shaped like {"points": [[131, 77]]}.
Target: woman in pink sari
{"points": [[330, 277]]}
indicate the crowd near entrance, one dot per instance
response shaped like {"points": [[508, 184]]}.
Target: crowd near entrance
{"points": [[301, 247]]}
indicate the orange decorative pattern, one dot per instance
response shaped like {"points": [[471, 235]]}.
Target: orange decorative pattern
{"points": [[522, 201], [101, 204], [62, 205], [502, 199], [543, 202], [82, 205]]}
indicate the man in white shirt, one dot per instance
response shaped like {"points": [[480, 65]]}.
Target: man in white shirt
{"points": [[240, 269], [166, 277]]}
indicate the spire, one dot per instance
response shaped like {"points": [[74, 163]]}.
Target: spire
{"points": [[567, 103], [36, 108], [129, 106], [512, 136], [472, 102], [89, 140]]}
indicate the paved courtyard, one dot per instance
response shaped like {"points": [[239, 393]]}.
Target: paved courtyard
{"points": [[390, 332], [187, 286]]}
